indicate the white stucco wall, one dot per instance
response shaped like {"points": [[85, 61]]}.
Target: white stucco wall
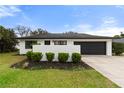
{"points": [[22, 47], [69, 42], [56, 49]]}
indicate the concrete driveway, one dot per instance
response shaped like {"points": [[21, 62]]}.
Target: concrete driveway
{"points": [[111, 67]]}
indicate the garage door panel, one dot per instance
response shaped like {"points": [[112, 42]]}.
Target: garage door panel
{"points": [[92, 48]]}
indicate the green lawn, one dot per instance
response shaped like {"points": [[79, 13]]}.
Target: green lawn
{"points": [[10, 77]]}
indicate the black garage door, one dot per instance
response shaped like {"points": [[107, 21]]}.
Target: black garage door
{"points": [[92, 48]]}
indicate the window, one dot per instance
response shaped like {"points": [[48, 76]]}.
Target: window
{"points": [[28, 44], [60, 42], [47, 42]]}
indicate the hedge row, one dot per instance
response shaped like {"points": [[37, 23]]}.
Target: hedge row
{"points": [[62, 57]]}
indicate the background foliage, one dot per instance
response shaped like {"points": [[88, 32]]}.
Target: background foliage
{"points": [[7, 40]]}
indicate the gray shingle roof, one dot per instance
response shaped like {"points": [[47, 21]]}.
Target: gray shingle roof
{"points": [[65, 36], [121, 40]]}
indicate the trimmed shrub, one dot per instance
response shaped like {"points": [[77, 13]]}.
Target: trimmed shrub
{"points": [[28, 54], [50, 56], [76, 57], [36, 56], [63, 57], [117, 48]]}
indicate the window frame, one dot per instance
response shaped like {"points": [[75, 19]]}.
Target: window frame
{"points": [[46, 42], [60, 42], [30, 44]]}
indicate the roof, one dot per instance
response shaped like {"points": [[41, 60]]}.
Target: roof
{"points": [[121, 40], [65, 36]]}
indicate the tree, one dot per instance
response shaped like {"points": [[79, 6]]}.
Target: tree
{"points": [[7, 40], [22, 30], [39, 31], [122, 35], [117, 36], [118, 48]]}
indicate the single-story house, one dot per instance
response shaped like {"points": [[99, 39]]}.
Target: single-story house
{"points": [[66, 42]]}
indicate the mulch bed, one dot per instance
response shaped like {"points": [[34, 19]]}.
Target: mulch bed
{"points": [[49, 65]]}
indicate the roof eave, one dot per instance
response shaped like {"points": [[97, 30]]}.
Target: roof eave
{"points": [[68, 38]]}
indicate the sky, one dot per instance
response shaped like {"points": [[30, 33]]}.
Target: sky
{"points": [[97, 20]]}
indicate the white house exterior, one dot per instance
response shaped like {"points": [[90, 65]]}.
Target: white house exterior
{"points": [[80, 43]]}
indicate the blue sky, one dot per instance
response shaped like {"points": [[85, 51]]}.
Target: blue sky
{"points": [[98, 20]]}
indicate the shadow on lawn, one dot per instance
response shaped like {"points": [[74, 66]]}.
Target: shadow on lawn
{"points": [[24, 64]]}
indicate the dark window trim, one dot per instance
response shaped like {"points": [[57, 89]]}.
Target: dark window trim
{"points": [[47, 42], [28, 44], [60, 42]]}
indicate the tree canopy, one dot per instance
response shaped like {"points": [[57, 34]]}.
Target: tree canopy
{"points": [[120, 36], [22, 30], [38, 31], [7, 39]]}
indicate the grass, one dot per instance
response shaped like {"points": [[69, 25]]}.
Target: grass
{"points": [[48, 78]]}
